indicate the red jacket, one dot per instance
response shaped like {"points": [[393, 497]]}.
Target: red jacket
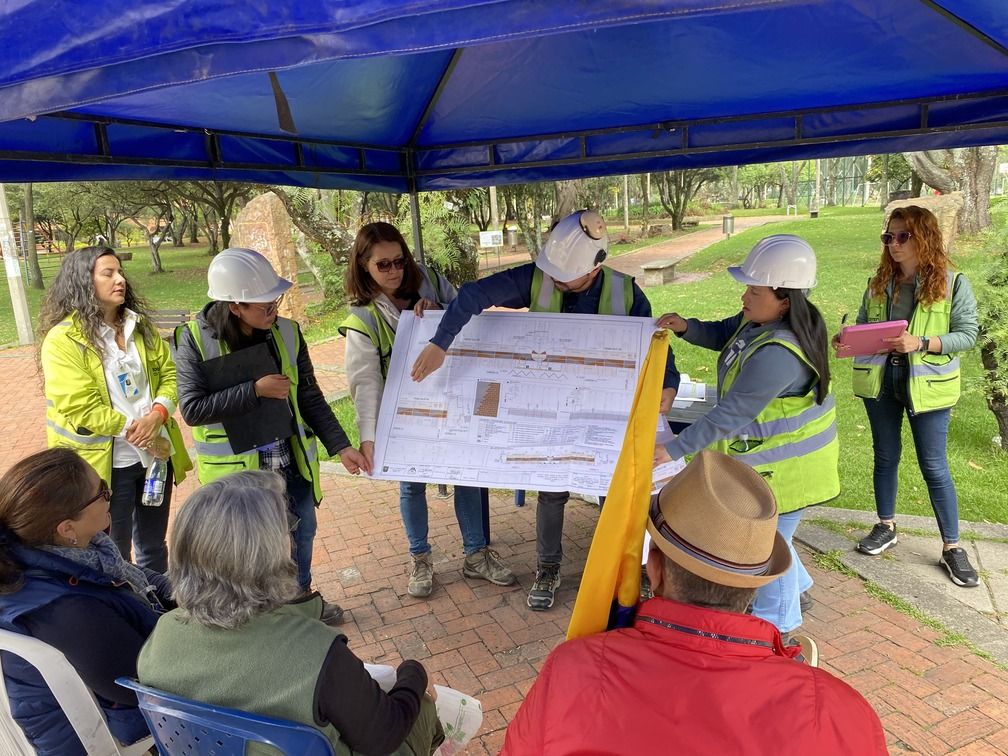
{"points": [[663, 687]]}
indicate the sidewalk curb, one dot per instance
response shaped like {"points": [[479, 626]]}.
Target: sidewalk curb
{"points": [[984, 633]]}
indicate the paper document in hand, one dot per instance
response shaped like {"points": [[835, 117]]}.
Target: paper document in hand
{"points": [[534, 401]]}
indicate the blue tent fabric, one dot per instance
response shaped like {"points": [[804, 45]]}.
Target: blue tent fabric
{"points": [[388, 95]]}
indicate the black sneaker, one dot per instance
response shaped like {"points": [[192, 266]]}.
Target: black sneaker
{"points": [[959, 567], [806, 602], [544, 589], [881, 538]]}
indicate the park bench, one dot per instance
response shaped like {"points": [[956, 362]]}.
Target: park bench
{"points": [[690, 222], [166, 320], [658, 272]]}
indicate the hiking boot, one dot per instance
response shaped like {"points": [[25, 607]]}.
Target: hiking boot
{"points": [[332, 614], [959, 567], [805, 602], [544, 588], [421, 579], [882, 536], [809, 650], [486, 564]]}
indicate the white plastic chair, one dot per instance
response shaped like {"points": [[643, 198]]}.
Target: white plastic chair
{"points": [[74, 697]]}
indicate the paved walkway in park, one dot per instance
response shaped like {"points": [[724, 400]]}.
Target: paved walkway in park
{"points": [[894, 627], [675, 249]]}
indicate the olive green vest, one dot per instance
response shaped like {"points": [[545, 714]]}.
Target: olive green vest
{"points": [[934, 378], [269, 665], [616, 299], [214, 455], [792, 442]]}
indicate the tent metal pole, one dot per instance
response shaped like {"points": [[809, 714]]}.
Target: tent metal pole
{"points": [[414, 207]]}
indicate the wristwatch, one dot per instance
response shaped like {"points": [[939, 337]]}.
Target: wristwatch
{"points": [[923, 344]]}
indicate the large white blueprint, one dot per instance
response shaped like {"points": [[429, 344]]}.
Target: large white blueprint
{"points": [[534, 401]]}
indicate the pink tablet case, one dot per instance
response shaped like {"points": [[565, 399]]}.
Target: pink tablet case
{"points": [[865, 339]]}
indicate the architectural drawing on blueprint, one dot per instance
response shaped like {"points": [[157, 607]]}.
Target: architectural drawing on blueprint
{"points": [[537, 401]]}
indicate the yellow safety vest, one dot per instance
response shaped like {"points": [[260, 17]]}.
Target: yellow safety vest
{"points": [[616, 298], [213, 450], [792, 442], [934, 378]]}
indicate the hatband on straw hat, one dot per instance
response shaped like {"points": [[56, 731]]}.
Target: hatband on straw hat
{"points": [[718, 519]]}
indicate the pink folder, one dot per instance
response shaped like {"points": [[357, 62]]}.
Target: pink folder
{"points": [[868, 338]]}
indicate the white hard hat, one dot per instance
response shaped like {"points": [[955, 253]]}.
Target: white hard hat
{"points": [[782, 261], [575, 246], [243, 275]]}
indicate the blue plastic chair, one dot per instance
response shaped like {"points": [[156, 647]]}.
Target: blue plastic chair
{"points": [[181, 726]]}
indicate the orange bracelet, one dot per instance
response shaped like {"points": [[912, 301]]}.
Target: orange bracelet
{"points": [[163, 411]]}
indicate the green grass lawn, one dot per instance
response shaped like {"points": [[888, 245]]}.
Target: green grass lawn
{"points": [[847, 248]]}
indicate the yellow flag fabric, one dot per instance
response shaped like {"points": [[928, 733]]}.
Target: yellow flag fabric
{"points": [[614, 559]]}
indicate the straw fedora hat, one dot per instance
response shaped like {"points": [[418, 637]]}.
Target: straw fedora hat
{"points": [[718, 519]]}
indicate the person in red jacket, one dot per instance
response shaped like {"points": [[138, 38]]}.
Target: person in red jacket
{"points": [[695, 674]]}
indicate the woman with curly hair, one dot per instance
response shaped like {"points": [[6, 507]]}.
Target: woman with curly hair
{"points": [[918, 376], [110, 392]]}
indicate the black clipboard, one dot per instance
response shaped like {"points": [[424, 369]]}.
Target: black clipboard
{"points": [[272, 420]]}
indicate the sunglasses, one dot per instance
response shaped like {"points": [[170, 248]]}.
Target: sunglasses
{"points": [[900, 238], [104, 492], [384, 266]]}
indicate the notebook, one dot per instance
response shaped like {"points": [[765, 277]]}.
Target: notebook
{"points": [[868, 338], [272, 420]]}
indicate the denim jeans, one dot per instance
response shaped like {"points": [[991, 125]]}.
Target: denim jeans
{"points": [[301, 503], [549, 525], [930, 435], [135, 524], [779, 602], [468, 512]]}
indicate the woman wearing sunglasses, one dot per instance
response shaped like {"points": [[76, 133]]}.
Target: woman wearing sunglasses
{"points": [[918, 377], [110, 392], [383, 280], [246, 294], [64, 582]]}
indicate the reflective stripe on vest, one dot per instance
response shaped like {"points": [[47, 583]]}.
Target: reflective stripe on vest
{"points": [[793, 442], [934, 379], [211, 441], [616, 297], [75, 437]]}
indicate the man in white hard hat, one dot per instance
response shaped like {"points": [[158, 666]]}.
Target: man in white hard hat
{"points": [[246, 294], [567, 276], [695, 674]]}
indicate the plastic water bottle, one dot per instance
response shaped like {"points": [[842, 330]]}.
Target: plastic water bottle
{"points": [[154, 483]]}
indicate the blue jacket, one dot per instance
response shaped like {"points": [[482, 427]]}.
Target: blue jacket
{"points": [[49, 578]]}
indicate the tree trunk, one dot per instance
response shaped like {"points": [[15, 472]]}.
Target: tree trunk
{"points": [[970, 170], [566, 199], [193, 228], [71, 241], [28, 243], [977, 174], [225, 231], [645, 183], [155, 254], [997, 400], [916, 184]]}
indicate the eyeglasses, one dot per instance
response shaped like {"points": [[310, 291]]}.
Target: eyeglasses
{"points": [[384, 266], [267, 309], [104, 492], [900, 237]]}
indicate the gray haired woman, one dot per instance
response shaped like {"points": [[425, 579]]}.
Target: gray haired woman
{"points": [[244, 637]]}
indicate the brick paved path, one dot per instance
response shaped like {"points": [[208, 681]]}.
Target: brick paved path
{"points": [[482, 639]]}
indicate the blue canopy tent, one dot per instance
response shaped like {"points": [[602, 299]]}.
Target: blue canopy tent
{"points": [[389, 95]]}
